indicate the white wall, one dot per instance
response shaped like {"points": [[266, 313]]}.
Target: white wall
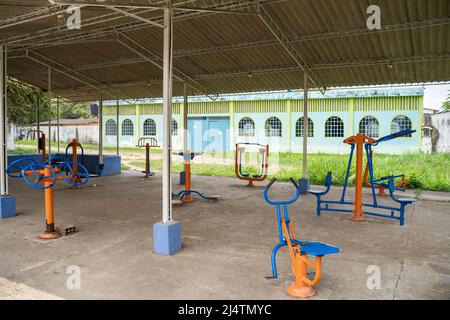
{"points": [[441, 121]]}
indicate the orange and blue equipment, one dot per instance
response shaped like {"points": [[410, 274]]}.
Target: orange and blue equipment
{"points": [[303, 287], [263, 150], [360, 208], [44, 177]]}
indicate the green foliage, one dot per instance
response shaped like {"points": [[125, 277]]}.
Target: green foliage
{"points": [[414, 182], [23, 99], [446, 105]]}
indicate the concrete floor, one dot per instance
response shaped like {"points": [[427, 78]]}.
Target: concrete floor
{"points": [[226, 246]]}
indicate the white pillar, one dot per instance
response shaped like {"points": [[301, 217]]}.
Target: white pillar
{"points": [[305, 128], [167, 116], [100, 130], [117, 129], [3, 124], [185, 119]]}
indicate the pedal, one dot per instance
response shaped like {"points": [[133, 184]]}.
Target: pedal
{"points": [[67, 230]]}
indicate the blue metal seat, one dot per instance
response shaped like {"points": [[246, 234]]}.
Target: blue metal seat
{"points": [[327, 185], [403, 202], [318, 249]]}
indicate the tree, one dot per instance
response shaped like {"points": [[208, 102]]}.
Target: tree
{"points": [[23, 100], [446, 105]]}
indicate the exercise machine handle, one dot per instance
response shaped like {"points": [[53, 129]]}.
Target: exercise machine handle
{"points": [[294, 182], [277, 203], [271, 183]]}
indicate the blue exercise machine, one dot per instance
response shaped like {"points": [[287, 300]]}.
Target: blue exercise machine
{"points": [[396, 213]]}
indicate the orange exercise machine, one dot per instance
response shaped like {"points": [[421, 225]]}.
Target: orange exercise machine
{"points": [[251, 178], [184, 196], [361, 142], [44, 177], [147, 143], [299, 250]]}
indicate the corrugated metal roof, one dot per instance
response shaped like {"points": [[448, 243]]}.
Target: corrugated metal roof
{"points": [[229, 53]]}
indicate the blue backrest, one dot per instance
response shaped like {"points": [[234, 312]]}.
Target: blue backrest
{"points": [[328, 179]]}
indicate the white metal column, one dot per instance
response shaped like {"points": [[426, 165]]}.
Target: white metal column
{"points": [[305, 128], [49, 94], [167, 116], [185, 119], [100, 130], [3, 124]]}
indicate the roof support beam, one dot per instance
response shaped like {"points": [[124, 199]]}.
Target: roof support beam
{"points": [[215, 8], [32, 16], [57, 67], [151, 57], [238, 73], [272, 25], [315, 36], [135, 16]]}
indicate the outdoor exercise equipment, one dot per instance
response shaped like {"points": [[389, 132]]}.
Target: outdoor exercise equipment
{"points": [[40, 140], [263, 150], [361, 142], [74, 145], [299, 250], [147, 143], [185, 195], [43, 176], [382, 184]]}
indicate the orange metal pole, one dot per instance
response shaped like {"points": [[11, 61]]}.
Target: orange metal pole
{"points": [[358, 212], [187, 181], [74, 154], [50, 232]]}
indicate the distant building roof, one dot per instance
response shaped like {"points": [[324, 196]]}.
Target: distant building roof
{"points": [[294, 94], [71, 122]]}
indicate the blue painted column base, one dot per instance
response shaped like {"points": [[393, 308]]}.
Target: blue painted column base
{"points": [[7, 206], [167, 238], [182, 178], [304, 185]]}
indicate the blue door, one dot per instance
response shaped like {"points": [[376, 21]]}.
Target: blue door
{"points": [[195, 128], [216, 138], [209, 134]]}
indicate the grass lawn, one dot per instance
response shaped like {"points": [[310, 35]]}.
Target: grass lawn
{"points": [[426, 171]]}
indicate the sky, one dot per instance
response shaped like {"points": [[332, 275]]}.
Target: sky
{"points": [[435, 95]]}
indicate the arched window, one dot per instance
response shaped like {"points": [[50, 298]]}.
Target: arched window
{"points": [[149, 127], [370, 127], [334, 128], [174, 128], [110, 128], [246, 127], [401, 123], [274, 127], [299, 128], [127, 127]]}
